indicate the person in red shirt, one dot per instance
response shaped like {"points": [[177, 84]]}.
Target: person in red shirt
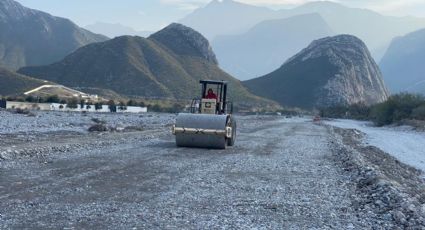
{"points": [[211, 94]]}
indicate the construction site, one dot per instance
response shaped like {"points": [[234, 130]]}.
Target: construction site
{"points": [[280, 173]]}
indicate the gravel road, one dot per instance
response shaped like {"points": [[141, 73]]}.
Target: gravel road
{"points": [[281, 174]]}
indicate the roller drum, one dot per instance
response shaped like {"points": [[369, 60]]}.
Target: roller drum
{"points": [[201, 121]]}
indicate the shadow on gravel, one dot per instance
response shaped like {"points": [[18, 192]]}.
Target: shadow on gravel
{"points": [[171, 145]]}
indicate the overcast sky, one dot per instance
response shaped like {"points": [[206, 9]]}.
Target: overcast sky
{"points": [[154, 14]]}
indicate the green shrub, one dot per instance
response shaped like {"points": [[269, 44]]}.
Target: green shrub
{"points": [[122, 106], [156, 108], [31, 99], [381, 114], [53, 99], [131, 103], [419, 112], [398, 107], [355, 111], [72, 103], [112, 106]]}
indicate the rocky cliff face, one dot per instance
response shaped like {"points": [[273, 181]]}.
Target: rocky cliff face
{"points": [[331, 71], [31, 37], [183, 40]]}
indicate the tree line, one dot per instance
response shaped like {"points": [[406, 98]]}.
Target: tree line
{"points": [[399, 107]]}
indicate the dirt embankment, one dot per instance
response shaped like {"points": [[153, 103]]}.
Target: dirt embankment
{"points": [[387, 187]]}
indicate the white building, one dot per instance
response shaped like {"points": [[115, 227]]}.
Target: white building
{"points": [[64, 107]]}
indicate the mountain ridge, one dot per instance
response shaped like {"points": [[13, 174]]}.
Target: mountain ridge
{"points": [[331, 71], [268, 44], [12, 83], [402, 65], [168, 64], [26, 33], [211, 22]]}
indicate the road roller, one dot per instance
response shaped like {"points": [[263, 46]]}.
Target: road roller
{"points": [[209, 122]]}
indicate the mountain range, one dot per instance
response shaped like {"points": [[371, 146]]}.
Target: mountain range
{"points": [[331, 71], [168, 64], [268, 44], [336, 70], [228, 17], [31, 37], [403, 64]]}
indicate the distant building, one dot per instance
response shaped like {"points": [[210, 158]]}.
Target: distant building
{"points": [[64, 107]]}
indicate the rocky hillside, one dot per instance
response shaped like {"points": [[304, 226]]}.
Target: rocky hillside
{"points": [[403, 64], [267, 45], [12, 83], [30, 37], [168, 64], [331, 71]]}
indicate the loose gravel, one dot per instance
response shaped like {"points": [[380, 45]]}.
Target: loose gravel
{"points": [[282, 174]]}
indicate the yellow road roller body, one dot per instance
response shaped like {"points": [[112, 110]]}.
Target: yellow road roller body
{"points": [[210, 123]]}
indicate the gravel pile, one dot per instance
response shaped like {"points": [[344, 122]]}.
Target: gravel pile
{"points": [[392, 191]]}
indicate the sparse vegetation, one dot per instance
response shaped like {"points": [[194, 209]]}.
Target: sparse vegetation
{"points": [[396, 109], [355, 111], [98, 106], [122, 106], [131, 103], [72, 103], [112, 106], [173, 108], [53, 99]]}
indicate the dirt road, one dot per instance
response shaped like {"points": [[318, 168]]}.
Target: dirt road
{"points": [[280, 175]]}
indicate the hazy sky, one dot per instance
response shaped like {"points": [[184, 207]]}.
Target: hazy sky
{"points": [[154, 14]]}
